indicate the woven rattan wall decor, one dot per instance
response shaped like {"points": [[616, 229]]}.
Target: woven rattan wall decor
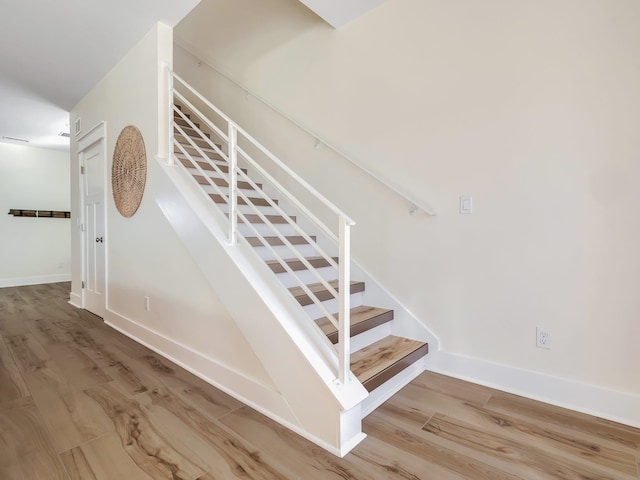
{"points": [[129, 171]]}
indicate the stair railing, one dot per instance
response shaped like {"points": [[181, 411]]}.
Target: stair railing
{"points": [[234, 195], [415, 205]]}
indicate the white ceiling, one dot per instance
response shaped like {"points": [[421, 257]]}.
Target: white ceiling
{"points": [[340, 12], [53, 52]]}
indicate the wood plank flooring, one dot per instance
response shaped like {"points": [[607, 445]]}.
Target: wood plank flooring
{"points": [[80, 401]]}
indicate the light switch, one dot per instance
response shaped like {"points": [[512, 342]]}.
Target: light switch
{"points": [[466, 204]]}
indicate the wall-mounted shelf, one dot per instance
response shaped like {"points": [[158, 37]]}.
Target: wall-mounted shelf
{"points": [[16, 212]]}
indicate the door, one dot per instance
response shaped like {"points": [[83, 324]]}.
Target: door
{"points": [[94, 231]]}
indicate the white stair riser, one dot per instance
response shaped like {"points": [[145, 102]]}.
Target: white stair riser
{"points": [[197, 140], [195, 134], [331, 305], [190, 165], [225, 190], [195, 137], [192, 150], [305, 250], [249, 209], [267, 230], [385, 391], [307, 277], [211, 155], [211, 173], [370, 336]]}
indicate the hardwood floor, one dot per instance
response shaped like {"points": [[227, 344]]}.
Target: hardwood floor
{"points": [[80, 401]]}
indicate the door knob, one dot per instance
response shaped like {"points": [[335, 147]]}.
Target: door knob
{"points": [[99, 239]]}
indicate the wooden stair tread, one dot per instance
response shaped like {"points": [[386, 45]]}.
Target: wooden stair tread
{"points": [[321, 292], [184, 123], [188, 146], [380, 361], [275, 241], [221, 182], [253, 218], [197, 140], [296, 264], [262, 202], [362, 318], [196, 155], [193, 153], [218, 159], [204, 145], [214, 157], [205, 165], [194, 133], [178, 118]]}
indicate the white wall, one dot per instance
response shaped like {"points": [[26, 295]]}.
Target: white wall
{"points": [[33, 250], [145, 257], [531, 107]]}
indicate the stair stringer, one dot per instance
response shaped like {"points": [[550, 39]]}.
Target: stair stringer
{"points": [[299, 360]]}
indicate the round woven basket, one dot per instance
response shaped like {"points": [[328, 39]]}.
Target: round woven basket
{"points": [[129, 171]]}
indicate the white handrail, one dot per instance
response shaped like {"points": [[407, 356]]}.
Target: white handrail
{"points": [[416, 205], [343, 291], [292, 198], [286, 242], [258, 145]]}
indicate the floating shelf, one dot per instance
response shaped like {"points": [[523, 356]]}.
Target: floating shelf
{"points": [[39, 213]]}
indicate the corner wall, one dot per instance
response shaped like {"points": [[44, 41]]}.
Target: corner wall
{"points": [[186, 321], [33, 250], [529, 107]]}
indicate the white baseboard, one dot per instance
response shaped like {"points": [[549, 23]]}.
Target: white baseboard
{"points": [[75, 300], [610, 404], [22, 281], [348, 446]]}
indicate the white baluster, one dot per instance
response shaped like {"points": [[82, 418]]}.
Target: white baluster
{"points": [[344, 301], [233, 185], [170, 156]]}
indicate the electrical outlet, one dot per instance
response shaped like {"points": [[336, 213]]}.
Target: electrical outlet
{"points": [[543, 338]]}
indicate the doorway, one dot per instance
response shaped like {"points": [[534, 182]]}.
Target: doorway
{"points": [[93, 227]]}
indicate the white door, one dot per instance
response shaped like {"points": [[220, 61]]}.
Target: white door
{"points": [[94, 237]]}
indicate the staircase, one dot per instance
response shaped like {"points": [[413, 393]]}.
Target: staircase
{"points": [[263, 215], [373, 364]]}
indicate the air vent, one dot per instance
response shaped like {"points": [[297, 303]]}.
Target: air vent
{"points": [[15, 139], [64, 134]]}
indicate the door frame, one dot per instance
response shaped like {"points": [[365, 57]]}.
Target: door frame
{"points": [[94, 135]]}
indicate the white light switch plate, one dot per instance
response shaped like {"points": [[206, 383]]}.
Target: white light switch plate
{"points": [[466, 204]]}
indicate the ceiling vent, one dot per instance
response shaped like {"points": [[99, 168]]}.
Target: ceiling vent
{"points": [[64, 134], [15, 139]]}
